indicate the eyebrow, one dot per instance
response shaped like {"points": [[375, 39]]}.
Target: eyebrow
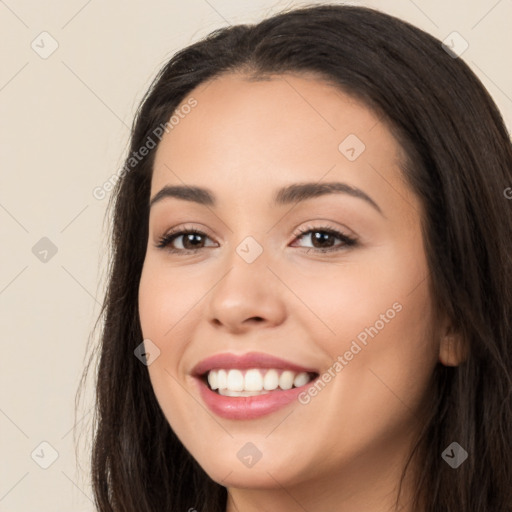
{"points": [[294, 193]]}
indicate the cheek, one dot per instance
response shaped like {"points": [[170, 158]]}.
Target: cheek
{"points": [[388, 379], [168, 299], [376, 314], [389, 354], [347, 297], [169, 310]]}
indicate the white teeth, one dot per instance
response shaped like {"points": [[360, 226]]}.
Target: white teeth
{"points": [[271, 380], [213, 380], [227, 392], [235, 380], [286, 380], [255, 381], [301, 379], [222, 379]]}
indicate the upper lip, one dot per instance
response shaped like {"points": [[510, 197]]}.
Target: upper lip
{"points": [[245, 361]]}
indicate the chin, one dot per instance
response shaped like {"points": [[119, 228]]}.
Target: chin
{"points": [[230, 471]]}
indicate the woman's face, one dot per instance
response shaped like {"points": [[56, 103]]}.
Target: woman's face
{"points": [[357, 316]]}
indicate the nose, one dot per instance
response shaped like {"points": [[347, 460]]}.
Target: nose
{"points": [[248, 296]]}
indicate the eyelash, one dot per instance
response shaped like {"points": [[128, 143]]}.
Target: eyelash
{"points": [[168, 238]]}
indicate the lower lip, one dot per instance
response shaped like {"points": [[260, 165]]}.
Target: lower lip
{"points": [[248, 407]]}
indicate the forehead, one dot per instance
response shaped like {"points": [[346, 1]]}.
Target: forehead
{"points": [[271, 132]]}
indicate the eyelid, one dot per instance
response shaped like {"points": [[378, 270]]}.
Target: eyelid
{"points": [[323, 225], [188, 227]]}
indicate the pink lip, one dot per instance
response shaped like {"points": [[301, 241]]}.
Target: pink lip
{"points": [[246, 361], [247, 407]]}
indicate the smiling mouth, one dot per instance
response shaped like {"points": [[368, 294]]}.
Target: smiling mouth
{"points": [[254, 381]]}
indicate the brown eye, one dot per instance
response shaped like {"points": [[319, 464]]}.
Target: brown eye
{"points": [[191, 241], [323, 238]]}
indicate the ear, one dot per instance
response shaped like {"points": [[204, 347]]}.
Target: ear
{"points": [[452, 348]]}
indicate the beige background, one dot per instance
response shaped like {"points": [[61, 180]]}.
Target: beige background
{"points": [[64, 130]]}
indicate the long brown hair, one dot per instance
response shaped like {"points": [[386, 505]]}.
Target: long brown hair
{"points": [[458, 160]]}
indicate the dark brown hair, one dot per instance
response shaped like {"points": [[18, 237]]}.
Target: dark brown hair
{"points": [[458, 160]]}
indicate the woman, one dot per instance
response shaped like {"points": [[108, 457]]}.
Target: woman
{"points": [[310, 295]]}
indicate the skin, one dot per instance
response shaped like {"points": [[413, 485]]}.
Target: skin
{"points": [[344, 450]]}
